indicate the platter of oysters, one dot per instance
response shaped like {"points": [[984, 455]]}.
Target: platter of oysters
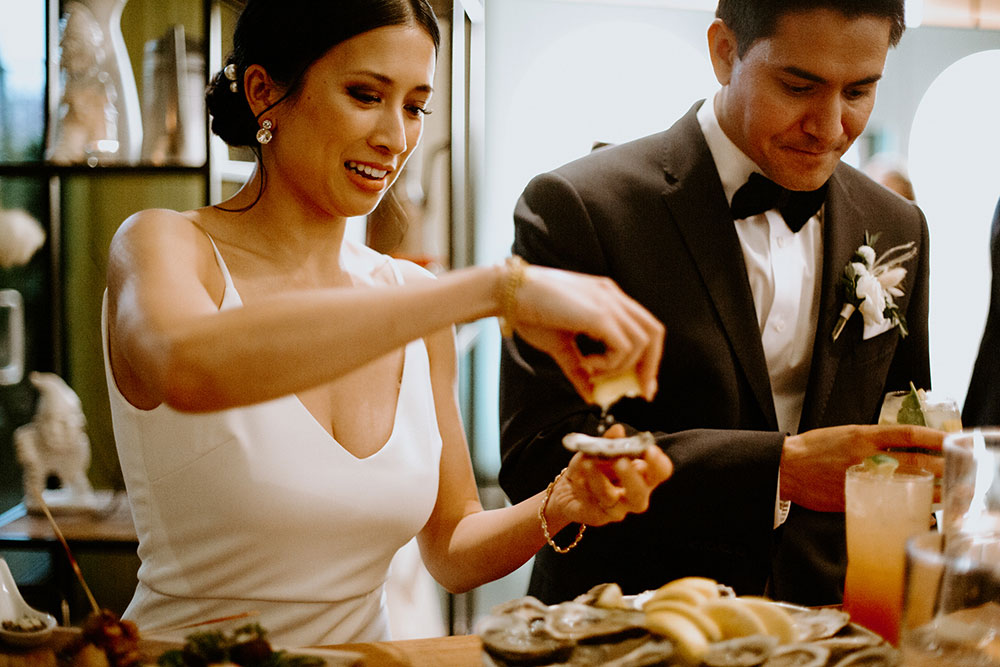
{"points": [[688, 622]]}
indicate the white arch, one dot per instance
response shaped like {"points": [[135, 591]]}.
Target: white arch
{"points": [[954, 160], [609, 81]]}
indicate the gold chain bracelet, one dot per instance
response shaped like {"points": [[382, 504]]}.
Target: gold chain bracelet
{"points": [[508, 294], [545, 525]]}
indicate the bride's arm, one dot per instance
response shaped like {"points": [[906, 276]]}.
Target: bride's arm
{"points": [[170, 343], [464, 546]]}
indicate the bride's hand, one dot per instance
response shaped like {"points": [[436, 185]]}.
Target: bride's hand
{"points": [[553, 307], [597, 491]]}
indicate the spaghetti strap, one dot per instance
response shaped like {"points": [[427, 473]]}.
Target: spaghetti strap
{"points": [[397, 274], [222, 264]]}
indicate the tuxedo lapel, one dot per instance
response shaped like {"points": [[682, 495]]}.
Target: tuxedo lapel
{"points": [[843, 232], [698, 207]]}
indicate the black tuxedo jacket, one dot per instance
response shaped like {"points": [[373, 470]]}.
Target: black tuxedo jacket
{"points": [[982, 402], [652, 215]]}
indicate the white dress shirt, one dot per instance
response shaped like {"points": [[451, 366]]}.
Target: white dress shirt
{"points": [[784, 270]]}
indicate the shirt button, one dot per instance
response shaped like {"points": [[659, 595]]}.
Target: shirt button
{"points": [[779, 325], [781, 241]]}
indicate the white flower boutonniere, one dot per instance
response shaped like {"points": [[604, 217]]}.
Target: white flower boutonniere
{"points": [[871, 285]]}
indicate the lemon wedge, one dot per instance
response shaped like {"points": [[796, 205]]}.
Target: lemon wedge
{"points": [[734, 617], [708, 627], [609, 389], [689, 641]]}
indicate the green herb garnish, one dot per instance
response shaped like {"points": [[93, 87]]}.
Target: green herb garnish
{"points": [[910, 411]]}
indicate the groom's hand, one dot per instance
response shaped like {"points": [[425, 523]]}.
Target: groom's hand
{"points": [[814, 463]]}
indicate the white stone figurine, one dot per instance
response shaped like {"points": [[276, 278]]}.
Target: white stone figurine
{"points": [[20, 237], [55, 443]]}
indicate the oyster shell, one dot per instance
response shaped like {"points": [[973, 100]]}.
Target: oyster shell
{"points": [[813, 624], [517, 640], [876, 656], [798, 655], [631, 652], [574, 621], [841, 645], [741, 651], [527, 607], [632, 446]]}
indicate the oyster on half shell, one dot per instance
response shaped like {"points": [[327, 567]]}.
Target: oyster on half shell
{"points": [[812, 624], [631, 446], [575, 621], [875, 656], [843, 644], [746, 651], [798, 655], [528, 607], [518, 638]]}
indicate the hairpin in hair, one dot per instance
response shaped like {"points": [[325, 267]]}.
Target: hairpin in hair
{"points": [[230, 72]]}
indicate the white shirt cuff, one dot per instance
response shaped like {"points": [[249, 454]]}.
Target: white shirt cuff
{"points": [[781, 507]]}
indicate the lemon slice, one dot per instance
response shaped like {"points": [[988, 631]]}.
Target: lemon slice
{"points": [[689, 642], [708, 627], [708, 588], [694, 590], [881, 464], [778, 622], [683, 594], [610, 596], [734, 617]]}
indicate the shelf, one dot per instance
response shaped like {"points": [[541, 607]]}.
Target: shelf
{"points": [[43, 169]]}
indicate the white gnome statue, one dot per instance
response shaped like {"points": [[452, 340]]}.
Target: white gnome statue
{"points": [[55, 443]]}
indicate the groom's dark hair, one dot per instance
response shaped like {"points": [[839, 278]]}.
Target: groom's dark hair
{"points": [[751, 20]]}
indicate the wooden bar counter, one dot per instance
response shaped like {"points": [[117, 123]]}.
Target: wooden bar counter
{"points": [[456, 651]]}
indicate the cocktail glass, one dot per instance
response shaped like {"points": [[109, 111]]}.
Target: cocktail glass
{"points": [[883, 510], [939, 411], [951, 609]]}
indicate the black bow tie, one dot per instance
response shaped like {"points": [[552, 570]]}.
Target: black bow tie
{"points": [[761, 194]]}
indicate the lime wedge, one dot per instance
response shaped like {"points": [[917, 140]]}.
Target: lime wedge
{"points": [[910, 411], [881, 464]]}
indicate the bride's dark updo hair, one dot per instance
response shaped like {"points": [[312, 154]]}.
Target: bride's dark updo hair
{"points": [[286, 37]]}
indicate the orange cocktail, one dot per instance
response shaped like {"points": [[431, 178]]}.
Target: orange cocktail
{"points": [[884, 508]]}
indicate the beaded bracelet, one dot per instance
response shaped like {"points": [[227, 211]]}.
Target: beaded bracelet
{"points": [[508, 294], [545, 525]]}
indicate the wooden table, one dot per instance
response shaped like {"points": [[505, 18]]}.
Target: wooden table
{"points": [[107, 530], [457, 651]]}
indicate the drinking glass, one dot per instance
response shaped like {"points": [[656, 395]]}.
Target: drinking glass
{"points": [[882, 512], [971, 489], [940, 411], [951, 603]]}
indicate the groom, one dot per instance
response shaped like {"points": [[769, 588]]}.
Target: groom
{"points": [[758, 404]]}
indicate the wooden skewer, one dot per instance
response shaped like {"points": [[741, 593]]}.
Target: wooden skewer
{"points": [[69, 554], [221, 619]]}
